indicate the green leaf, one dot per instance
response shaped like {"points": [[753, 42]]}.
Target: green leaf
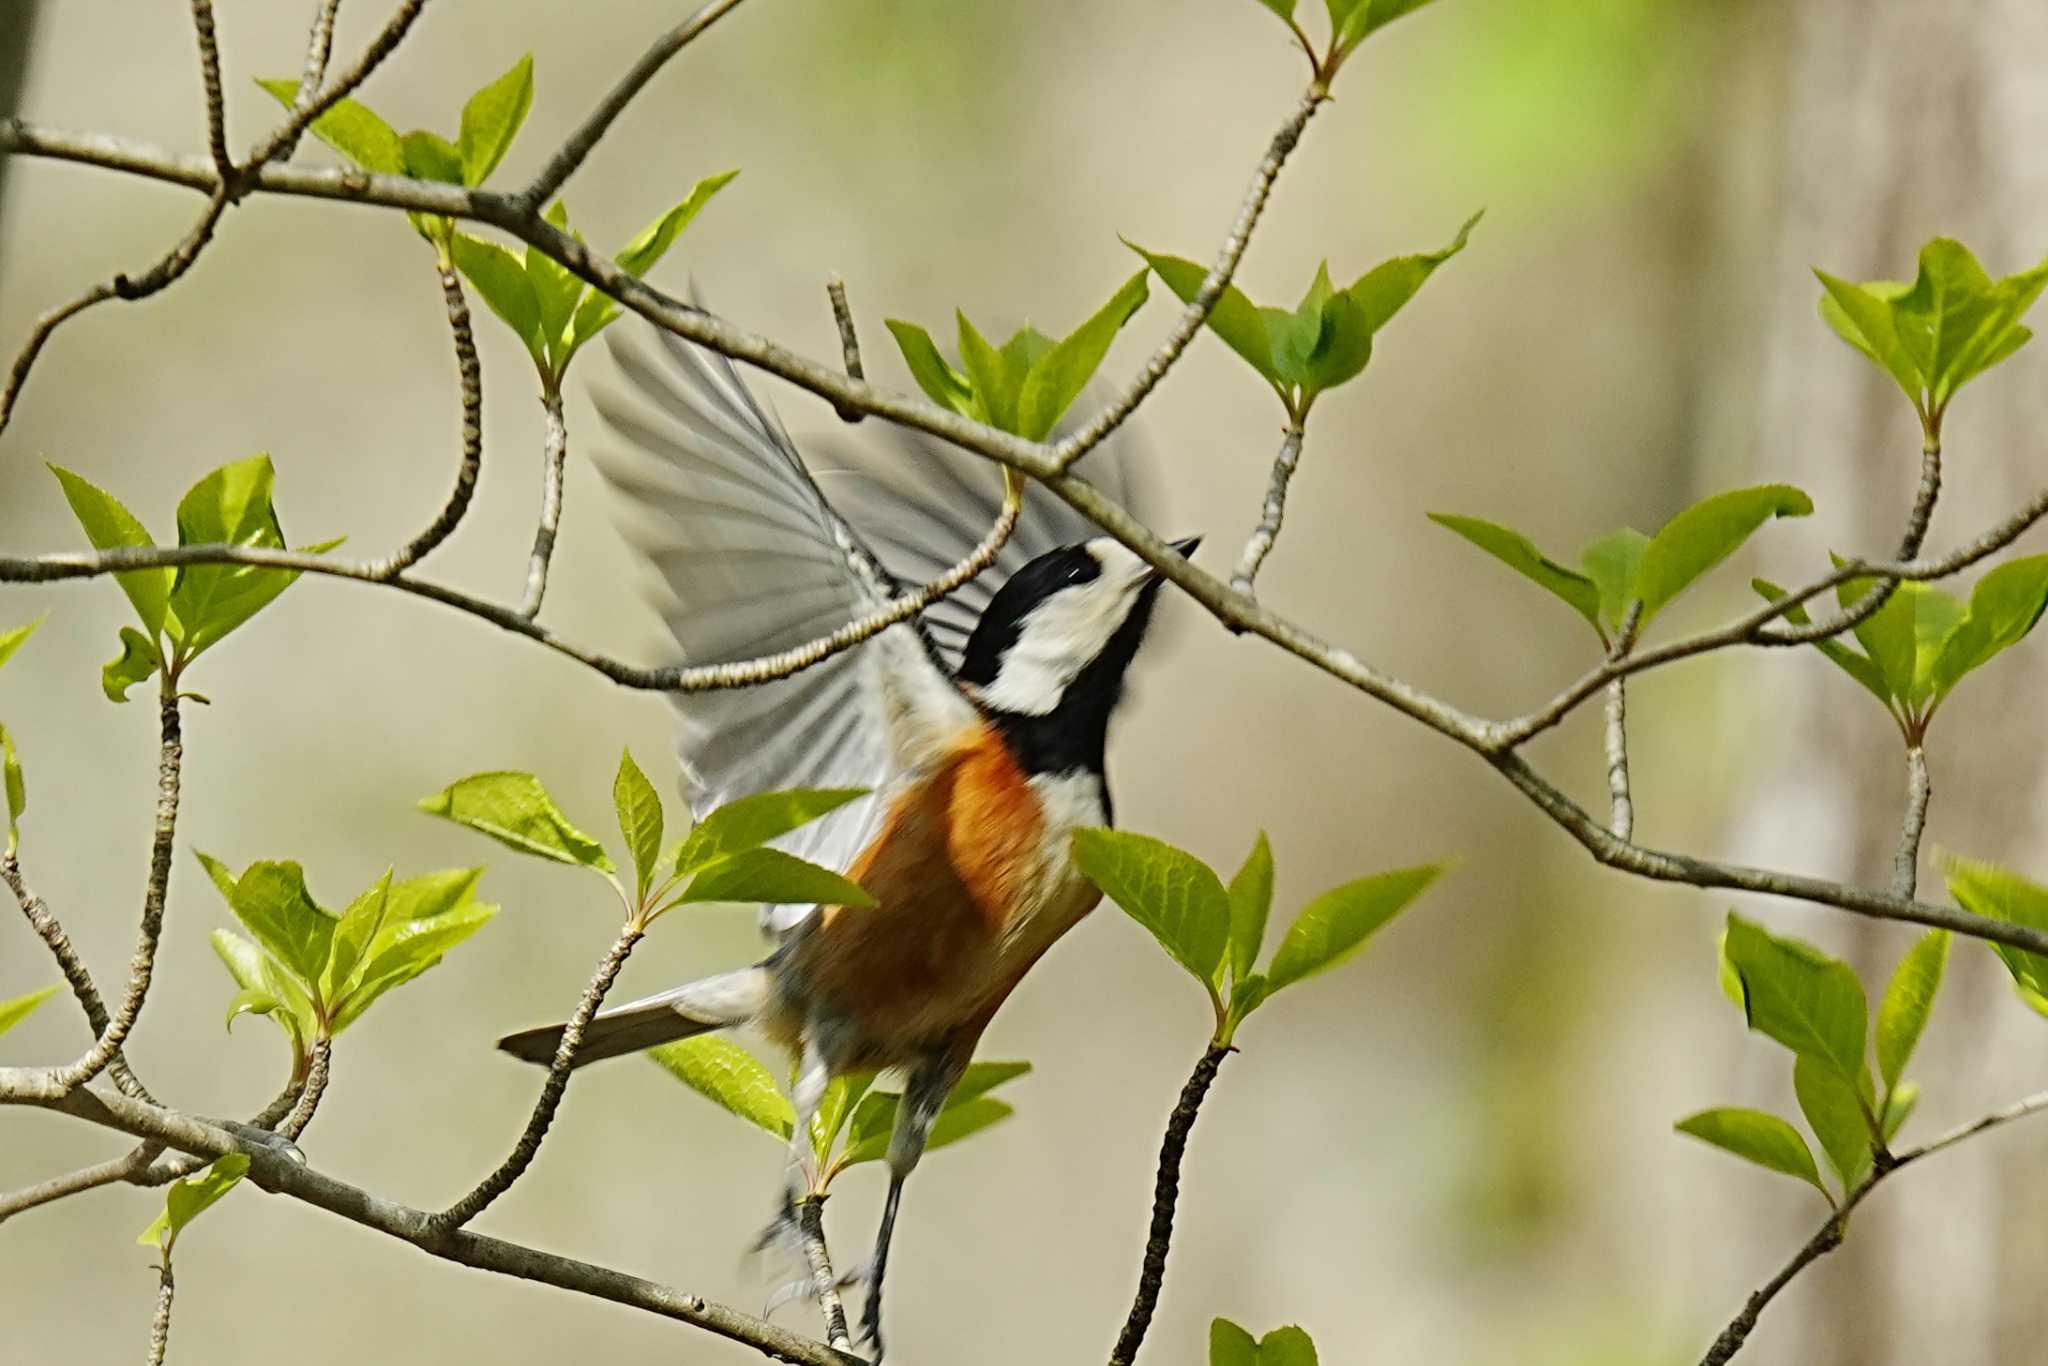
{"points": [[1235, 318], [1283, 8], [110, 526], [10, 641], [1906, 636], [263, 980], [230, 506], [350, 129], [772, 876], [1287, 1346], [749, 822], [515, 810], [16, 787], [556, 293], [137, 662], [1955, 316], [1835, 1108], [640, 818], [1898, 1108], [1857, 666], [967, 1110], [730, 1076], [995, 381], [1336, 924], [502, 279], [638, 256], [1908, 999], [1367, 16], [1173, 894], [1384, 290], [842, 1094], [491, 120], [1756, 1137], [2004, 606], [1611, 563], [354, 935], [271, 901], [1797, 995], [187, 1199], [13, 1012], [1730, 979], [964, 1120], [1251, 901], [429, 156], [1989, 890], [1057, 377], [424, 918], [1230, 1345], [1861, 315], [1518, 553], [1705, 534], [941, 383]]}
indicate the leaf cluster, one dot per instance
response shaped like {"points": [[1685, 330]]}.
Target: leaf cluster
{"points": [[723, 858], [1351, 23], [187, 610], [1027, 384], [1327, 339], [1815, 1006], [1625, 567], [733, 1078], [1216, 932], [1923, 641]]}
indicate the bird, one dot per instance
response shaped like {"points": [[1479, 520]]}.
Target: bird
{"points": [[979, 729]]}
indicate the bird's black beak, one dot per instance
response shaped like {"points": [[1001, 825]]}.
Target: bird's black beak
{"points": [[1187, 545]]}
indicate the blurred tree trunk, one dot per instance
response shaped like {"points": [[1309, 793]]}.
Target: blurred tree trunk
{"points": [[1904, 121], [17, 27]]}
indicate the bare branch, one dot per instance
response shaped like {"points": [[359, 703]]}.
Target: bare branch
{"points": [[1165, 1196], [1268, 530], [123, 1168], [1906, 861], [849, 342], [305, 112], [160, 1326], [591, 131], [1621, 819], [275, 1170], [1086, 438], [523, 1152], [319, 46], [209, 79], [51, 932], [301, 1113], [554, 459], [471, 371], [810, 1223]]}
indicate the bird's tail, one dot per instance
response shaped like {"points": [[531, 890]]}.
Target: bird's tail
{"points": [[730, 998]]}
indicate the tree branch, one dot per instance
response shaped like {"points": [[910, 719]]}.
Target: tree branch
{"points": [[471, 371], [51, 932], [1621, 820], [554, 459], [209, 79], [849, 341], [1906, 861], [1165, 1196], [523, 1152], [160, 1326], [305, 112], [1275, 508], [810, 1225], [281, 1172], [123, 1168], [308, 1099]]}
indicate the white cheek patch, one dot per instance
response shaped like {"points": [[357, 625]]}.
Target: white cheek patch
{"points": [[1064, 634]]}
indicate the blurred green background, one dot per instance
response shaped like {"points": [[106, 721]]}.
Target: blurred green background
{"points": [[1458, 1150]]}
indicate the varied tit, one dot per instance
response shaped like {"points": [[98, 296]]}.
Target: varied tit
{"points": [[979, 727]]}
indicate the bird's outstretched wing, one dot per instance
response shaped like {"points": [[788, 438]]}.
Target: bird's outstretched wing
{"points": [[749, 555]]}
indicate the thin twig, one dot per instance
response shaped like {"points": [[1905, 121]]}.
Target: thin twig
{"points": [[281, 1173], [1198, 309], [1270, 514], [1621, 819], [470, 370], [592, 130], [160, 1326], [306, 112], [849, 342], [1165, 1195], [1906, 861], [1829, 1236], [523, 1152], [209, 79], [810, 1223], [122, 1168], [51, 931], [554, 460], [319, 48], [301, 1113]]}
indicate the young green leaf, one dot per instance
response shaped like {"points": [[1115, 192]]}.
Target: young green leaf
{"points": [[1360, 18], [271, 901], [1837, 1111], [354, 935], [967, 1110], [1898, 1108], [1336, 924], [137, 662], [515, 810], [429, 156], [638, 256], [640, 819], [941, 383], [1861, 315], [1857, 666], [1384, 290], [1705, 534], [556, 293], [749, 822], [842, 1094], [730, 1076], [769, 875], [1520, 554], [1908, 999], [2004, 607], [13, 1012], [110, 526], [1989, 890], [1251, 901], [10, 641], [229, 506], [1611, 562], [350, 129], [1230, 1345], [1235, 319], [266, 989], [424, 918], [187, 1199], [1756, 1137], [16, 786], [1173, 894], [491, 120], [503, 281], [996, 382], [1057, 377], [1283, 8], [1287, 1346], [1797, 995]]}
